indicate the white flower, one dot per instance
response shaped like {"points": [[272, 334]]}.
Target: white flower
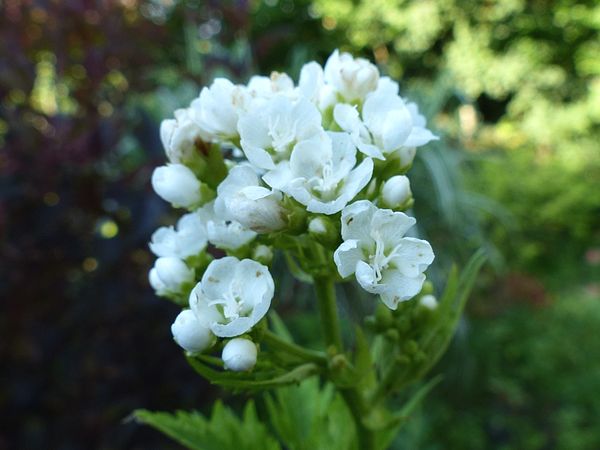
{"points": [[352, 77], [239, 355], [170, 275], [177, 184], [179, 137], [233, 295], [268, 133], [263, 88], [224, 234], [321, 174], [190, 333], [387, 124], [217, 110], [241, 197], [312, 86], [396, 191], [376, 251], [188, 239]]}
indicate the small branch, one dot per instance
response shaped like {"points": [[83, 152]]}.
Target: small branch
{"points": [[276, 343]]}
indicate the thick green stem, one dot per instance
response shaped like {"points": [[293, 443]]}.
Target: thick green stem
{"points": [[356, 405], [325, 289], [276, 343]]}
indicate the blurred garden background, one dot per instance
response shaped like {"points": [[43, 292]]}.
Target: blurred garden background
{"points": [[513, 88]]}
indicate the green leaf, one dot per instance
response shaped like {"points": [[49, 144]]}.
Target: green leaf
{"points": [[224, 431], [363, 361], [254, 380], [452, 305], [279, 327], [310, 416], [386, 436], [296, 270]]}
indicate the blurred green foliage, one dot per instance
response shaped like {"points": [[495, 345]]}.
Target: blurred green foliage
{"points": [[524, 379]]}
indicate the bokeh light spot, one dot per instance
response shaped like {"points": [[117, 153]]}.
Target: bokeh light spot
{"points": [[90, 264], [108, 229]]}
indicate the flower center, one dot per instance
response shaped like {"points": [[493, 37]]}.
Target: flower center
{"points": [[282, 133], [379, 261], [231, 304], [326, 184]]}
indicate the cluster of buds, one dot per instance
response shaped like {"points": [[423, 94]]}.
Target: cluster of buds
{"points": [[260, 165]]}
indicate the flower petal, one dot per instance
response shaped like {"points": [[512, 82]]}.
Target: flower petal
{"points": [[258, 286], [392, 226], [413, 256], [365, 275], [346, 117], [218, 277], [401, 289], [420, 136], [356, 221], [347, 255], [396, 129]]}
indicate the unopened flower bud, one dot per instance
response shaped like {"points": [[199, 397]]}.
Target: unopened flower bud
{"points": [[352, 77], [179, 136], [396, 192], [429, 302], [239, 355], [190, 333], [263, 254], [242, 198], [169, 275], [177, 184], [324, 230]]}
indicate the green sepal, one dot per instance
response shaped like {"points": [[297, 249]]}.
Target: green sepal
{"points": [[213, 169]]}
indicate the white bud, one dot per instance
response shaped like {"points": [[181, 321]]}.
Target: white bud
{"points": [[429, 302], [396, 191], [317, 226], [406, 156], [323, 230], [239, 355], [190, 333], [176, 184], [263, 254], [217, 109], [179, 137], [169, 274], [241, 197], [352, 77]]}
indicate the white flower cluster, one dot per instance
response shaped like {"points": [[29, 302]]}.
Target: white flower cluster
{"points": [[299, 158]]}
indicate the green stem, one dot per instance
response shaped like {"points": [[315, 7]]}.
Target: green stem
{"points": [[276, 343], [325, 289], [356, 405], [391, 377]]}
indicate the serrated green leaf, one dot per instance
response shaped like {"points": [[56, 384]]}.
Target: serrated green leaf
{"points": [[224, 431], [310, 417], [187, 428]]}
